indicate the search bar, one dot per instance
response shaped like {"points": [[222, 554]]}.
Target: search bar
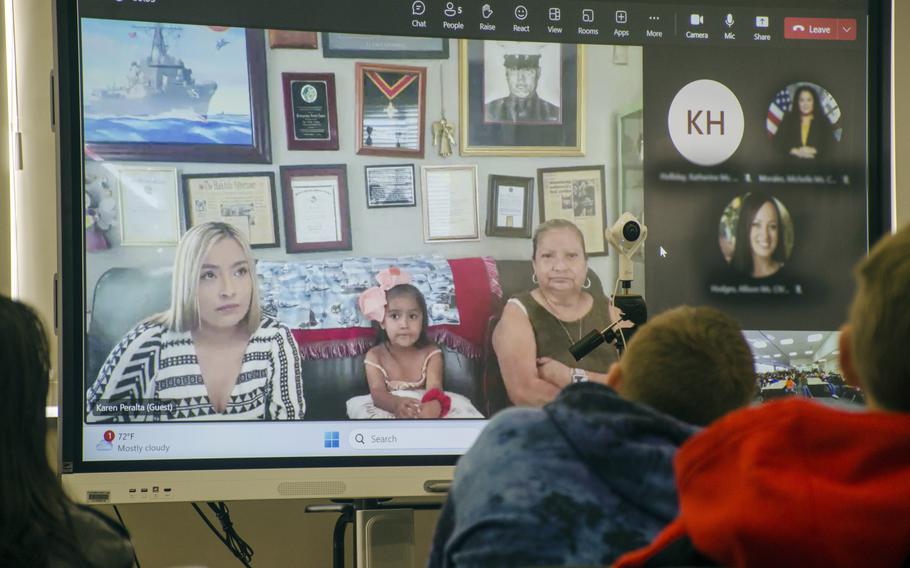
{"points": [[413, 439]]}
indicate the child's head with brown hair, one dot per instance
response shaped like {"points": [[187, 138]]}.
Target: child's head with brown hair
{"points": [[873, 345], [691, 363]]}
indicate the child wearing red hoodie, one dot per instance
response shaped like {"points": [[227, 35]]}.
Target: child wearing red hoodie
{"points": [[795, 483]]}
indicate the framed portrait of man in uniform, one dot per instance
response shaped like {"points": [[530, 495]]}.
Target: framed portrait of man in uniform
{"points": [[521, 98]]}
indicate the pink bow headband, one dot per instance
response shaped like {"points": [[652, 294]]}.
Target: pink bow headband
{"points": [[372, 301]]}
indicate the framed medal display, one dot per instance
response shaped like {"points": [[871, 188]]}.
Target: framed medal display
{"points": [[390, 109]]}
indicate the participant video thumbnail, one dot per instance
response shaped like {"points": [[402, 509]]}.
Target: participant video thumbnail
{"points": [[755, 183]]}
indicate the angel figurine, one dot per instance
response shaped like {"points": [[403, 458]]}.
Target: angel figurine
{"points": [[444, 136]]}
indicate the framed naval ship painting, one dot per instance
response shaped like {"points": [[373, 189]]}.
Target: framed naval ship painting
{"points": [[165, 92], [521, 98]]}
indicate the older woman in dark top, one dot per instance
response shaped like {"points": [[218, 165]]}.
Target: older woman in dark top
{"points": [[533, 337]]}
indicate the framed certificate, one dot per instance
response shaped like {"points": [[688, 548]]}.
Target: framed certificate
{"points": [[245, 200], [149, 206], [310, 113], [316, 212], [390, 109], [391, 186], [509, 212], [450, 209], [576, 194]]}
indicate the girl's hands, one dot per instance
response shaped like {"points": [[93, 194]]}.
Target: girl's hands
{"points": [[407, 407], [430, 409]]}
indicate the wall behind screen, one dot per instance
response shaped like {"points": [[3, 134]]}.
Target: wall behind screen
{"points": [[610, 89], [34, 186]]}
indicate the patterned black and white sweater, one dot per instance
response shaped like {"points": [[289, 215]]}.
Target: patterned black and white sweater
{"points": [[153, 375]]}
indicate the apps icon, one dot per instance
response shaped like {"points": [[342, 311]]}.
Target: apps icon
{"points": [[587, 16], [521, 12], [622, 16], [418, 8]]}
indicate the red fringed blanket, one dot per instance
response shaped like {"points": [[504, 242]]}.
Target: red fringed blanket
{"points": [[476, 287]]}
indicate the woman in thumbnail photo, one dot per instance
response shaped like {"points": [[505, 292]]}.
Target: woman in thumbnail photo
{"points": [[762, 237], [805, 132], [212, 355]]}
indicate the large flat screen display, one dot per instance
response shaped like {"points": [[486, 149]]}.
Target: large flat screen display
{"points": [[242, 184]]}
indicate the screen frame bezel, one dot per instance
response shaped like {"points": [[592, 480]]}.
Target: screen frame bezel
{"points": [[69, 293]]}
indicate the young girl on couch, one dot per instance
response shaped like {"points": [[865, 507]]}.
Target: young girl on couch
{"points": [[405, 368]]}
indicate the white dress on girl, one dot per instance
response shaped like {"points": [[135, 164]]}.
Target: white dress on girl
{"points": [[362, 407]]}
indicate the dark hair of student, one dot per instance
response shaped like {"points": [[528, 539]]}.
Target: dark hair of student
{"points": [[35, 525], [408, 290]]}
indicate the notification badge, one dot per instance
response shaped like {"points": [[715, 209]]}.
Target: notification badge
{"points": [[106, 443]]}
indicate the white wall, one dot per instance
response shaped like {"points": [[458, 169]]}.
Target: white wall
{"points": [[609, 89]]}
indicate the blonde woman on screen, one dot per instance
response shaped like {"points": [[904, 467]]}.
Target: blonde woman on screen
{"points": [[212, 355]]}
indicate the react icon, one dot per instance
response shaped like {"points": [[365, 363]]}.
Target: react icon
{"points": [[706, 122]]}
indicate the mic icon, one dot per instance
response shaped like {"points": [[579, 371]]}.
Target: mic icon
{"points": [[729, 20]]}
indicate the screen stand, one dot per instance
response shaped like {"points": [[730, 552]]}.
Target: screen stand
{"points": [[383, 533]]}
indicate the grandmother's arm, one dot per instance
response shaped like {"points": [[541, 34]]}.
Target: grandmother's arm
{"points": [[560, 375], [516, 351]]}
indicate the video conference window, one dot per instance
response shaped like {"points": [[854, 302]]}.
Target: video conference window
{"points": [[328, 230], [286, 226]]}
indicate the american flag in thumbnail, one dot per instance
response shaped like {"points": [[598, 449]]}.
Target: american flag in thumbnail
{"points": [[779, 107], [832, 111]]}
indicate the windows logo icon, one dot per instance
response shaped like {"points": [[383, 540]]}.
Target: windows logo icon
{"points": [[331, 440]]}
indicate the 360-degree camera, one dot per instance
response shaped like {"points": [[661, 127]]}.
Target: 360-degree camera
{"points": [[627, 235]]}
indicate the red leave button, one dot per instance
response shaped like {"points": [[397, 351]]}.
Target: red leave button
{"points": [[843, 29]]}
